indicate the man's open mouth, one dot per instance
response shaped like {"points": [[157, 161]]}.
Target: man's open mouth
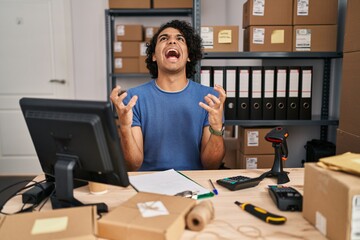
{"points": [[172, 53]]}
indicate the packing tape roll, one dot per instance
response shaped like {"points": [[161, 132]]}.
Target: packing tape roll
{"points": [[200, 215]]}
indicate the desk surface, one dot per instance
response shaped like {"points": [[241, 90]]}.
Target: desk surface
{"points": [[228, 216]]}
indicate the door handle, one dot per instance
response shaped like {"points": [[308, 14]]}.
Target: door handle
{"points": [[61, 81]]}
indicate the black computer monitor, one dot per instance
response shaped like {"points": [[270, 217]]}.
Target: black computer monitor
{"points": [[75, 140]]}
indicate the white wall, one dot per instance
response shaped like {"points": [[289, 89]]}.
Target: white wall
{"points": [[88, 29]]}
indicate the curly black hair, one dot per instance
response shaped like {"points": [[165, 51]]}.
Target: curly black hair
{"points": [[193, 42]]}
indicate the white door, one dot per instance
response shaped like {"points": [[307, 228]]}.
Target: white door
{"points": [[35, 61]]}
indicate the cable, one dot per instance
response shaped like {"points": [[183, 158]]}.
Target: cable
{"points": [[17, 193]]}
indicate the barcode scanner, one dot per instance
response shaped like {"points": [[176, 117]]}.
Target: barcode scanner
{"points": [[277, 136]]}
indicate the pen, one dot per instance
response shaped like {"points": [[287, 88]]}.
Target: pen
{"points": [[262, 214], [215, 191]]}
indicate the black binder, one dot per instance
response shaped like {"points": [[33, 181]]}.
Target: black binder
{"points": [[280, 93], [306, 74], [268, 93], [243, 89], [205, 76], [230, 88], [292, 93], [255, 93], [218, 76]]}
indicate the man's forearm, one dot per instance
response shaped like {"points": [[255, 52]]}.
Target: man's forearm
{"points": [[131, 151], [213, 153]]}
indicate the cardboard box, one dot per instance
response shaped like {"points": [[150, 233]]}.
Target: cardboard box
{"points": [[315, 12], [315, 38], [129, 4], [273, 12], [142, 58], [347, 142], [126, 65], [126, 49], [173, 3], [268, 39], [256, 161], [349, 119], [352, 26], [55, 224], [252, 141], [331, 202], [127, 222], [129, 33], [220, 38]]}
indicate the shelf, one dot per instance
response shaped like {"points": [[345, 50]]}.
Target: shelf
{"points": [[316, 121], [149, 12], [271, 55], [130, 75]]}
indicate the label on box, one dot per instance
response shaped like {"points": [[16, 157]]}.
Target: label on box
{"points": [[258, 7], [277, 36], [118, 63], [49, 225], [143, 49], [251, 163], [320, 222], [302, 7], [225, 36], [118, 47], [253, 138], [152, 209], [207, 35], [149, 32], [120, 30], [258, 35], [355, 218], [303, 40]]}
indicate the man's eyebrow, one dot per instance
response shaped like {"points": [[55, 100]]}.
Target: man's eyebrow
{"points": [[166, 35]]}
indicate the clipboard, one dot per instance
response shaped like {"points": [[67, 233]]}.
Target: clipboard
{"points": [[168, 182]]}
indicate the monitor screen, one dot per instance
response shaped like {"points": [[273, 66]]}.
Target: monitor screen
{"points": [[75, 139]]}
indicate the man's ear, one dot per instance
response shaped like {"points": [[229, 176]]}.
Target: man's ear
{"points": [[153, 58], [188, 59]]}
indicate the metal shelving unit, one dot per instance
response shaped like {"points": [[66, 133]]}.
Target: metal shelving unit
{"points": [[322, 120], [112, 14]]}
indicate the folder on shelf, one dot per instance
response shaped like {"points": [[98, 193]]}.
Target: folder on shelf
{"points": [[292, 111], [230, 88], [280, 93], [218, 76], [268, 93], [306, 74], [243, 89], [255, 93], [205, 75]]}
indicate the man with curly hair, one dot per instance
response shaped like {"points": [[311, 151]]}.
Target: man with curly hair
{"points": [[171, 121]]}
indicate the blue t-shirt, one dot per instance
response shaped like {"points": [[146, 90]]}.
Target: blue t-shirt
{"points": [[172, 125]]}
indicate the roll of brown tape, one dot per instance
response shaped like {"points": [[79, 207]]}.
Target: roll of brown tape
{"points": [[200, 215]]}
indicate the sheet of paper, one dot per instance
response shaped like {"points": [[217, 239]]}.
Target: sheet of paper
{"points": [[169, 182]]}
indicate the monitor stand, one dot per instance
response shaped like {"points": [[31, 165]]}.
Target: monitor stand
{"points": [[64, 185]]}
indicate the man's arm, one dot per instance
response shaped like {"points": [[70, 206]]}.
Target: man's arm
{"points": [[212, 150], [131, 138], [213, 146]]}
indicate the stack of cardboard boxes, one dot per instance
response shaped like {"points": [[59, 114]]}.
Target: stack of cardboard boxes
{"points": [[348, 133], [254, 151], [290, 25]]}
